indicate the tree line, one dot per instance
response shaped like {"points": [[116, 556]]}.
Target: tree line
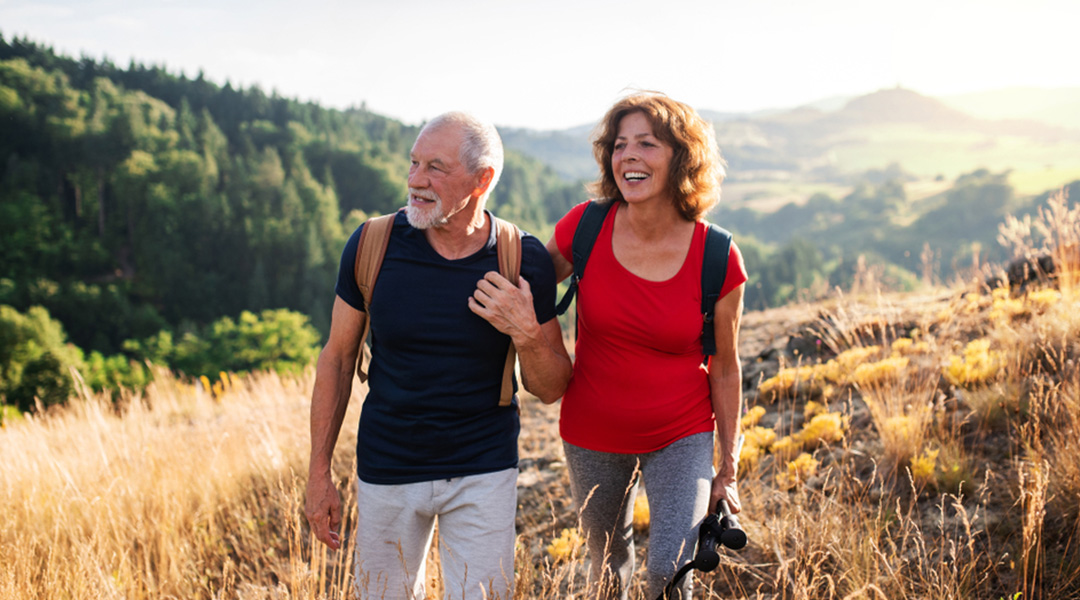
{"points": [[135, 202]]}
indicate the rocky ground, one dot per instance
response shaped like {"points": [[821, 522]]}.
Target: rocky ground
{"points": [[788, 336], [768, 339]]}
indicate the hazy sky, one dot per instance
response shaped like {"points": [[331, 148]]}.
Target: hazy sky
{"points": [[561, 63]]}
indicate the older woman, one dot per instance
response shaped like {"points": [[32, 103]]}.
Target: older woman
{"points": [[641, 403]]}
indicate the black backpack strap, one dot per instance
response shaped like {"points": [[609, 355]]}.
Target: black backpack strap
{"points": [[588, 229], [713, 274]]}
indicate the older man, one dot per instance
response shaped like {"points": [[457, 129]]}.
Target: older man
{"points": [[434, 443]]}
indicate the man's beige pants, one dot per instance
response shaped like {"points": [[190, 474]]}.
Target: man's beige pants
{"points": [[476, 537]]}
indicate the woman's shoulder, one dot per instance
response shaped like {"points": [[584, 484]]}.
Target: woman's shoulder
{"points": [[575, 212], [567, 225]]}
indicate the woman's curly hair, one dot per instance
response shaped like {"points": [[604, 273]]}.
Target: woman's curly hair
{"points": [[696, 165]]}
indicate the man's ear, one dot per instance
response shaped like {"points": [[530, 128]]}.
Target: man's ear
{"points": [[486, 175]]}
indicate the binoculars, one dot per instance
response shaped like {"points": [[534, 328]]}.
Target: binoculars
{"points": [[720, 528]]}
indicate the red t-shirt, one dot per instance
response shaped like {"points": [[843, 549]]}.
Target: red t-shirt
{"points": [[639, 383]]}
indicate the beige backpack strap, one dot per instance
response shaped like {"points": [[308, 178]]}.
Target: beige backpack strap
{"points": [[370, 251], [508, 245]]}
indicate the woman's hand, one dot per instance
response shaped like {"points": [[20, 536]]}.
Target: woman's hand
{"points": [[724, 486]]}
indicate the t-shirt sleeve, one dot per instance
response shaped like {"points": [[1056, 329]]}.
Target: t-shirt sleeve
{"points": [[565, 228], [736, 271], [346, 287], [538, 270]]}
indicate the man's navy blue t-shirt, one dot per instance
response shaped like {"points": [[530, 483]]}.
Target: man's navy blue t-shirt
{"points": [[432, 409]]}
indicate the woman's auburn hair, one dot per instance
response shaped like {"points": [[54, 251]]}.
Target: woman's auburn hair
{"points": [[696, 170]]}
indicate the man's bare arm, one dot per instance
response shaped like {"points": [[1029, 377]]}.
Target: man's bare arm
{"points": [[329, 401]]}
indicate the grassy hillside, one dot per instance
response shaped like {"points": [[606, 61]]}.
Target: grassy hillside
{"points": [[1037, 163], [897, 446]]}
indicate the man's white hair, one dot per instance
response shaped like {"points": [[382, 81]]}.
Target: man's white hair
{"points": [[481, 148]]}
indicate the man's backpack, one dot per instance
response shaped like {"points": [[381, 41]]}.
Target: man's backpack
{"points": [[713, 269], [375, 237]]}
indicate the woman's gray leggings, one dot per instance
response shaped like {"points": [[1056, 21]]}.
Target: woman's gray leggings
{"points": [[678, 481]]}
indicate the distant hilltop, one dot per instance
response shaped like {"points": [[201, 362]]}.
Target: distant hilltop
{"points": [[902, 105], [838, 137]]}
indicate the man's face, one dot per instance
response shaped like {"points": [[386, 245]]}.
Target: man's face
{"points": [[439, 184]]}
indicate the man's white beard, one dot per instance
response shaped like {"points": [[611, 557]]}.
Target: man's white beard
{"points": [[426, 217]]}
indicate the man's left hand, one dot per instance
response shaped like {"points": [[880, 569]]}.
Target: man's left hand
{"points": [[507, 307]]}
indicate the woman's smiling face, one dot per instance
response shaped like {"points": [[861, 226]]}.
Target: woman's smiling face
{"points": [[639, 160]]}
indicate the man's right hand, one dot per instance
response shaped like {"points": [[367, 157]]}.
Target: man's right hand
{"points": [[323, 510]]}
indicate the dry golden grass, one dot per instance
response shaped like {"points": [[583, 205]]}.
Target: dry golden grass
{"points": [[182, 494], [932, 450]]}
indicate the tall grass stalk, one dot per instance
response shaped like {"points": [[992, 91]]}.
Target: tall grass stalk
{"points": [[1056, 232], [182, 495]]}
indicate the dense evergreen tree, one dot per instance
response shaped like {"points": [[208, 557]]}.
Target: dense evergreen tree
{"points": [[133, 199]]}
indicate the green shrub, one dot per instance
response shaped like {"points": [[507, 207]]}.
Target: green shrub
{"points": [[278, 340], [111, 373], [35, 359]]}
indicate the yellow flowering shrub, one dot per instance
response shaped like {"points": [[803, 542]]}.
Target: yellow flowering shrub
{"points": [[924, 466], [881, 371], [902, 345], [749, 456], [973, 303], [900, 425], [814, 379], [908, 347], [825, 428], [752, 417], [567, 546], [1004, 306], [808, 378], [811, 409], [1044, 299], [761, 437], [798, 471], [978, 364], [846, 361], [641, 513], [787, 447]]}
